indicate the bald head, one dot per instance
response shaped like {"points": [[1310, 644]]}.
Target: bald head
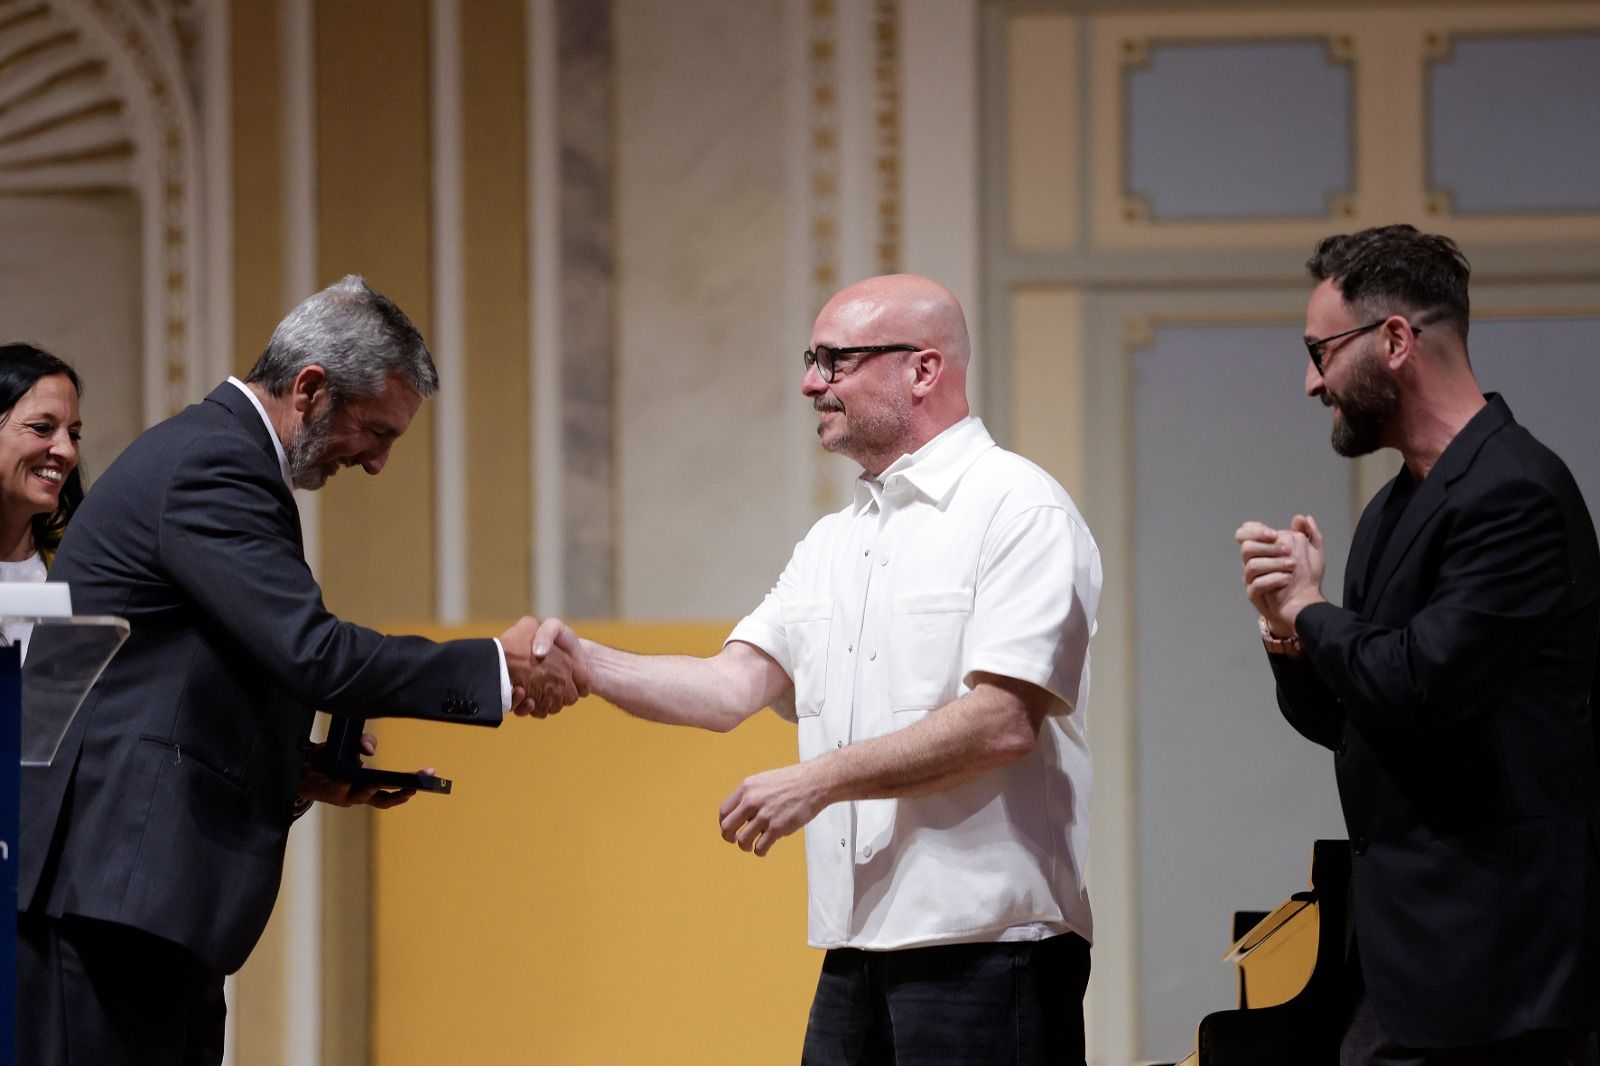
{"points": [[903, 379], [905, 308]]}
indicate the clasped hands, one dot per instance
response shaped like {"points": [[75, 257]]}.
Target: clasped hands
{"points": [[547, 666], [1283, 570]]}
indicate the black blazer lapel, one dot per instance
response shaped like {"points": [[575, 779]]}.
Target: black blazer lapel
{"points": [[1428, 499], [1362, 545], [1454, 464], [228, 396]]}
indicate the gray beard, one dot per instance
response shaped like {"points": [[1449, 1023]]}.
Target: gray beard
{"points": [[867, 439], [307, 470]]}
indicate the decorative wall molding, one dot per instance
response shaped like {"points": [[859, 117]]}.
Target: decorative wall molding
{"points": [[1531, 123], [100, 95], [154, 76], [1389, 51], [1237, 169], [64, 124], [822, 160], [854, 160], [886, 134]]}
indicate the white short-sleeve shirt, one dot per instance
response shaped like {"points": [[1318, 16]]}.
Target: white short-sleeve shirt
{"points": [[962, 558]]}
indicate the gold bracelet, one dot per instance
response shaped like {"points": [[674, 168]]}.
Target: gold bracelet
{"points": [[1286, 646]]}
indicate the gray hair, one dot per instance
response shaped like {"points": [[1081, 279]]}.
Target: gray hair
{"points": [[359, 338]]}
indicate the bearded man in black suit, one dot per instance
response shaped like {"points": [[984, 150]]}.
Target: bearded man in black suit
{"points": [[1454, 684], [152, 847]]}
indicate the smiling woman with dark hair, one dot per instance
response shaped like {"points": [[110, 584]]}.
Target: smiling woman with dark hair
{"points": [[40, 485]]}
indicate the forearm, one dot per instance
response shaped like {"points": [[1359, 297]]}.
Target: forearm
{"points": [[982, 730], [675, 689], [995, 723]]}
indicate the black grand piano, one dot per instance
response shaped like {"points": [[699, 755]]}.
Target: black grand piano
{"points": [[1291, 975]]}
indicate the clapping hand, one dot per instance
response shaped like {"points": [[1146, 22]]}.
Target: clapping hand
{"points": [[1283, 569]]}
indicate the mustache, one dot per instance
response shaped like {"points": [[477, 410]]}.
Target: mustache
{"points": [[827, 403]]}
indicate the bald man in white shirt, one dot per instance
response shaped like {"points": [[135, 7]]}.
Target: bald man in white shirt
{"points": [[930, 640]]}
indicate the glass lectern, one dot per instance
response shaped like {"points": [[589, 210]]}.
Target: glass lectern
{"points": [[41, 690]]}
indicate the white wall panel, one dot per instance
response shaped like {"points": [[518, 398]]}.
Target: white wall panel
{"points": [[1230, 797]]}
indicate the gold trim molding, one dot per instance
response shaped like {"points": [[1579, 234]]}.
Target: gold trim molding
{"points": [[1388, 50], [1136, 55]]}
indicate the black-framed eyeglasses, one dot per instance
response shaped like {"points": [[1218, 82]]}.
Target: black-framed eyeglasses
{"points": [[826, 359], [1314, 348]]}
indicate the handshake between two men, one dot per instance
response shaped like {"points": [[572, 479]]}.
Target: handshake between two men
{"points": [[547, 673], [551, 668], [542, 683]]}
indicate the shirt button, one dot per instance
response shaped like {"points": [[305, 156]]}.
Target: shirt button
{"points": [[866, 553], [866, 852], [850, 647], [839, 744], [842, 844], [883, 560], [873, 654]]}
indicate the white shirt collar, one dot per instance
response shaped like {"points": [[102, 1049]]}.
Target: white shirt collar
{"points": [[277, 445], [933, 469]]}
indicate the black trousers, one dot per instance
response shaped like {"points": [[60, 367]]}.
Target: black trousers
{"points": [[1013, 1003], [93, 993]]}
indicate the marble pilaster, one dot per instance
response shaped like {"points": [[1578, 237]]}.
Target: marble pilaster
{"points": [[709, 363], [588, 344]]}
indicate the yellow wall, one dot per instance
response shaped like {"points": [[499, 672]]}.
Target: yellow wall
{"points": [[494, 362], [373, 218], [573, 901]]}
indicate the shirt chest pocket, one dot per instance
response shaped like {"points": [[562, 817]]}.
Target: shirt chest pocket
{"points": [[808, 626], [927, 627]]}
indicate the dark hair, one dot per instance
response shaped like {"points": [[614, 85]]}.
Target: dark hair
{"points": [[1379, 267], [21, 367], [359, 338]]}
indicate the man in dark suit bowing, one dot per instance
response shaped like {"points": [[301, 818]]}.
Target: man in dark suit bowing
{"points": [[153, 846], [1453, 685]]}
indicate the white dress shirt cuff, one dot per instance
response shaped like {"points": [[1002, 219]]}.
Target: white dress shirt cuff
{"points": [[505, 677]]}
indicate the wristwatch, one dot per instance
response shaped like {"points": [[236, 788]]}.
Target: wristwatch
{"points": [[1287, 646]]}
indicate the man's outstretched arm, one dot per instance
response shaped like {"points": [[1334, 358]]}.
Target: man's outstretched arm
{"points": [[716, 693]]}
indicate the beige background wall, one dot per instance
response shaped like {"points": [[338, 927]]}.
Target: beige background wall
{"points": [[1103, 296], [614, 222]]}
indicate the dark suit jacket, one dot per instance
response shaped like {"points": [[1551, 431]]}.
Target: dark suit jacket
{"points": [[1454, 691], [168, 805]]}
